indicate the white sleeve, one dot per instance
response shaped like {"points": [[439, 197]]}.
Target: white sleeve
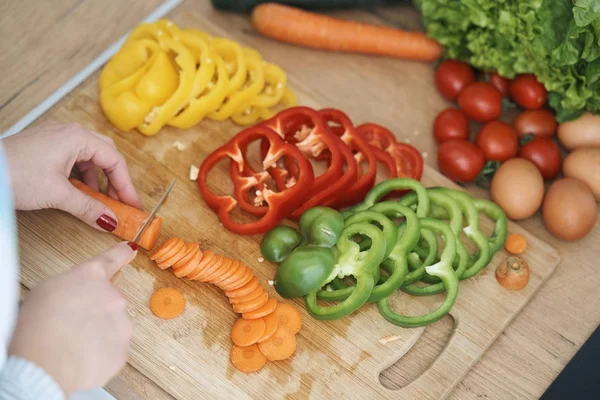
{"points": [[23, 380]]}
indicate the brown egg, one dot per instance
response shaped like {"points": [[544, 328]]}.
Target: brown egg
{"points": [[518, 188], [584, 165], [569, 209], [582, 132]]}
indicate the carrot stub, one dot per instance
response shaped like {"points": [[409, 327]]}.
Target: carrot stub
{"points": [[167, 303], [129, 219], [247, 331], [289, 316], [279, 346], [267, 309], [271, 325], [515, 243], [247, 359], [303, 28]]}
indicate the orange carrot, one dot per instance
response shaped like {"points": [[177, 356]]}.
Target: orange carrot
{"points": [[515, 243], [244, 290], [289, 316], [271, 325], [167, 303], [267, 309], [251, 305], [303, 28], [513, 273], [247, 359], [129, 219], [279, 346], [246, 332], [250, 296]]}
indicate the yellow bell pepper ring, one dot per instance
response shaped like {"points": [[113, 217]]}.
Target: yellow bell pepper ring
{"points": [[156, 31], [161, 114], [235, 61], [275, 85]]}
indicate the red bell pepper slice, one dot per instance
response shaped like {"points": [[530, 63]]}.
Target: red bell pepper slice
{"points": [[376, 135], [279, 204], [362, 152]]}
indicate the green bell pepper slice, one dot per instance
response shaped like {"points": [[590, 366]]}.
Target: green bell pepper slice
{"points": [[416, 267], [279, 242], [396, 261], [495, 213], [389, 229], [321, 226], [306, 269], [443, 270], [352, 261]]}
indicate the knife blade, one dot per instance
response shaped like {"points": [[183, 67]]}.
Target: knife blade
{"points": [[154, 211]]}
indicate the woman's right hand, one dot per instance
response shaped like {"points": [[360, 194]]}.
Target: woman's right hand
{"points": [[75, 325]]}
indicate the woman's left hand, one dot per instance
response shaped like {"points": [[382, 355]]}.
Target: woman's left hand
{"points": [[41, 159]]}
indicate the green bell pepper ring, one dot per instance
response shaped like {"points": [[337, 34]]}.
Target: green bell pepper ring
{"points": [[321, 226], [396, 261], [390, 231], [306, 269], [443, 269], [279, 242], [381, 189], [414, 262], [495, 213], [352, 261]]}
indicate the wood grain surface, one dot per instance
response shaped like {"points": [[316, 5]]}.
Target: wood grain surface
{"points": [[531, 351]]}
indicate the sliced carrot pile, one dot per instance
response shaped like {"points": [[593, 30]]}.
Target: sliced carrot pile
{"points": [[167, 303], [267, 329]]}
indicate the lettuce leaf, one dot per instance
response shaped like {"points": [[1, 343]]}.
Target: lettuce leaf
{"points": [[557, 40]]}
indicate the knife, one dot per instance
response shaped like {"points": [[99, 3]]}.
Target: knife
{"points": [[154, 211]]}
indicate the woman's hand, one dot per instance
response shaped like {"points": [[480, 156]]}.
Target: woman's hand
{"points": [[75, 325], [41, 159]]}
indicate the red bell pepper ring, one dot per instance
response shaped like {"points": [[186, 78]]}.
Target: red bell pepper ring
{"points": [[376, 135], [305, 128], [362, 152], [279, 204]]}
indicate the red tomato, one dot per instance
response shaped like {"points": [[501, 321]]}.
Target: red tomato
{"points": [[535, 122], [528, 92], [451, 76], [450, 124], [499, 83], [481, 101], [498, 141], [460, 160], [545, 154]]}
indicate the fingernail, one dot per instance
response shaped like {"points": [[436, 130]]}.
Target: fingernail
{"points": [[107, 223], [133, 246]]}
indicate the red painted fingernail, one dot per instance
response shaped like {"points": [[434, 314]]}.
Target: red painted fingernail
{"points": [[133, 246], [107, 223]]}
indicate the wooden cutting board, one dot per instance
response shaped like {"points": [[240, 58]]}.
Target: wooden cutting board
{"points": [[189, 356]]}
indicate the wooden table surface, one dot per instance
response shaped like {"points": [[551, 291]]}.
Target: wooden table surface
{"points": [[43, 44]]}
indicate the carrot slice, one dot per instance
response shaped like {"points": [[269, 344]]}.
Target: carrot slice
{"points": [[217, 262], [289, 316], [244, 290], [163, 248], [178, 246], [178, 255], [234, 268], [190, 252], [251, 305], [239, 274], [250, 296], [207, 260], [247, 359], [267, 309], [189, 266], [129, 219], [225, 265], [246, 332], [271, 324], [167, 303], [245, 277], [279, 346]]}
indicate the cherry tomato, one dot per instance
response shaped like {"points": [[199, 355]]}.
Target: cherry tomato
{"points": [[498, 141], [460, 160], [500, 83], [528, 92], [481, 101], [450, 124], [451, 76], [545, 154], [535, 122]]}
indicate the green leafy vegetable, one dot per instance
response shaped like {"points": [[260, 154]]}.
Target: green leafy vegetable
{"points": [[557, 40]]}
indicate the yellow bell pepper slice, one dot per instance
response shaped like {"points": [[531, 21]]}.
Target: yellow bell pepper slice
{"points": [[235, 61], [251, 115], [275, 86], [126, 102], [161, 114], [156, 31]]}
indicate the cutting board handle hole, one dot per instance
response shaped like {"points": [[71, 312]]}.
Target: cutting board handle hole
{"points": [[420, 357]]}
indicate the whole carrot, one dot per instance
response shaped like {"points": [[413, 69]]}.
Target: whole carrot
{"points": [[309, 29]]}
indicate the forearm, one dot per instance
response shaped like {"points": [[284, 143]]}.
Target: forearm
{"points": [[23, 380]]}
